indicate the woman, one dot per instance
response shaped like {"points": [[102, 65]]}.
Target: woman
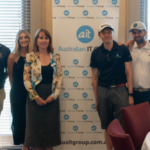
{"points": [[18, 93], [43, 81]]}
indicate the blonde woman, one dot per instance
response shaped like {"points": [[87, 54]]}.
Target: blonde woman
{"points": [[43, 81], [18, 93]]}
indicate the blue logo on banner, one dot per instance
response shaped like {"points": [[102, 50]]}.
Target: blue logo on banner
{"points": [[85, 73], [66, 12], [85, 12], [66, 117], [75, 128], [93, 128], [84, 117], [93, 106], [84, 95], [85, 34], [76, 1], [66, 95], [94, 2], [75, 61], [104, 12], [56, 1], [75, 84], [66, 72], [114, 2], [75, 106]]}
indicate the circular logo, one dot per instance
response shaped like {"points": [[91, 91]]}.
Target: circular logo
{"points": [[75, 128], [104, 12], [93, 106], [85, 34], [93, 128], [75, 61], [75, 106], [135, 25], [66, 72], [75, 84], [56, 1], [84, 95], [66, 117], [85, 73], [66, 12], [94, 2], [85, 12], [84, 117], [66, 95], [75, 2], [114, 2]]}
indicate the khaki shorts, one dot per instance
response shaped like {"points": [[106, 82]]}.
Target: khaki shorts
{"points": [[2, 97]]}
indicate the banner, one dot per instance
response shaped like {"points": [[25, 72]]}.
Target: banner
{"points": [[75, 36]]}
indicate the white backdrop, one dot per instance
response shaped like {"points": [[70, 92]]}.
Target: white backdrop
{"points": [[75, 35]]}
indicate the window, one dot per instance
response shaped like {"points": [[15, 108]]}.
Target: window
{"points": [[148, 21], [14, 15], [144, 14]]}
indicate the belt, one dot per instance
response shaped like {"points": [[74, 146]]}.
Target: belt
{"points": [[141, 89], [119, 85]]}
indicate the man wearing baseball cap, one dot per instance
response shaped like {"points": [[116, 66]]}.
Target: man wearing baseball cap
{"points": [[109, 63], [140, 52]]}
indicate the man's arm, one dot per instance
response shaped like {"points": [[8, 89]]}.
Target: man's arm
{"points": [[129, 44], [95, 83], [128, 68]]}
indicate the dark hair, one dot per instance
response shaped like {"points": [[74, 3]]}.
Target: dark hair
{"points": [[35, 47]]}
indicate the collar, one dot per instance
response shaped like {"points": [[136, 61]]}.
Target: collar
{"points": [[115, 46], [147, 45]]}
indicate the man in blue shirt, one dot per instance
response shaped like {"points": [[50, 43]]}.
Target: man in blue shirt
{"points": [[4, 53]]}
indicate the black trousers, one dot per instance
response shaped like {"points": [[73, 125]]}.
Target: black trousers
{"points": [[141, 97]]}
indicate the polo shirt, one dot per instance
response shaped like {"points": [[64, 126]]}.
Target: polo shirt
{"points": [[141, 65], [110, 64], [4, 53]]}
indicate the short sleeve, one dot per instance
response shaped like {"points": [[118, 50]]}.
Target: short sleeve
{"points": [[93, 62], [8, 53], [127, 55]]}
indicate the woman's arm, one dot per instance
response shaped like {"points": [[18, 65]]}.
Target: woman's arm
{"points": [[10, 64], [58, 79], [27, 79]]}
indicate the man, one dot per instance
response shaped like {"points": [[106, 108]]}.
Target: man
{"points": [[4, 53], [140, 51], [109, 63]]}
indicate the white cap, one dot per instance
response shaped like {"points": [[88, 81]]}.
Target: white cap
{"points": [[137, 25], [105, 25]]}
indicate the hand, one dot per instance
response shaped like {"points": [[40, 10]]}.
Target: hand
{"points": [[49, 99], [129, 44], [40, 101], [131, 101], [119, 43], [96, 105]]}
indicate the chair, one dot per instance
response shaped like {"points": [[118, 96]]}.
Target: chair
{"points": [[120, 140], [137, 122]]}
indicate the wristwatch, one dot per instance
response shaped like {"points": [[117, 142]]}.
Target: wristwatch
{"points": [[130, 94]]}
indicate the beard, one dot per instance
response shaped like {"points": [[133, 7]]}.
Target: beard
{"points": [[139, 41]]}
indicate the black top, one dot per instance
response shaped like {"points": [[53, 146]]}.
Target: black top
{"points": [[111, 64], [47, 74], [18, 69], [4, 53]]}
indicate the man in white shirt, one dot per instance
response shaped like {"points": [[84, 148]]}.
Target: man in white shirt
{"points": [[140, 52]]}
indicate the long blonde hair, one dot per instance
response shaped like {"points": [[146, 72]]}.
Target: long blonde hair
{"points": [[17, 49]]}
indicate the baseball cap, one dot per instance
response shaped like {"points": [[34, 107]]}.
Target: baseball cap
{"points": [[137, 25], [105, 25]]}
